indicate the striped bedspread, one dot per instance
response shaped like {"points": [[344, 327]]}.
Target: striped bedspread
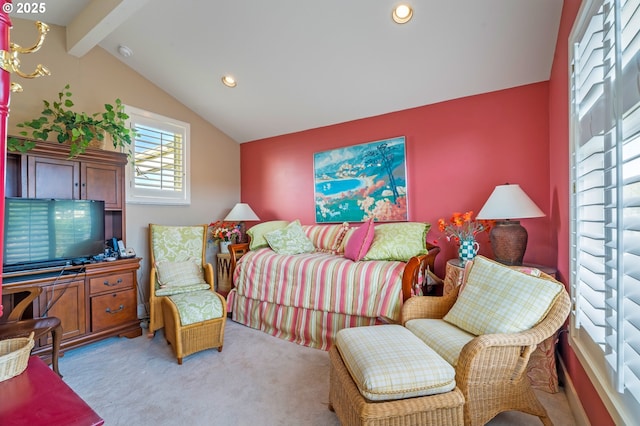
{"points": [[322, 282]]}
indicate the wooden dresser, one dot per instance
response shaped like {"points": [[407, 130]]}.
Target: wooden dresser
{"points": [[94, 300]]}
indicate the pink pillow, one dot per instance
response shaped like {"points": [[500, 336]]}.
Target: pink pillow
{"points": [[360, 241]]}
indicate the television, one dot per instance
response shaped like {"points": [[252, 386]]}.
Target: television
{"points": [[42, 233]]}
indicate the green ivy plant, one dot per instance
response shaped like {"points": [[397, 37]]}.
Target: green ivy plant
{"points": [[77, 129]]}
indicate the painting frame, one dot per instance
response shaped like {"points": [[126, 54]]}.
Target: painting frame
{"points": [[360, 182]]}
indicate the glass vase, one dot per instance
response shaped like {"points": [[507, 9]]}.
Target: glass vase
{"points": [[468, 250]]}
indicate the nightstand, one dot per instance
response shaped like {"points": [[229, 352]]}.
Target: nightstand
{"points": [[223, 268], [541, 370]]}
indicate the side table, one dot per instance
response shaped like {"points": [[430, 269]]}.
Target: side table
{"points": [[223, 267], [39, 397], [541, 370]]}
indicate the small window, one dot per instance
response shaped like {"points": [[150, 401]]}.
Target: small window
{"points": [[158, 170]]}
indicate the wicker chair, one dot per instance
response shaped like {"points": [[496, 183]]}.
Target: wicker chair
{"points": [[173, 243], [491, 368]]}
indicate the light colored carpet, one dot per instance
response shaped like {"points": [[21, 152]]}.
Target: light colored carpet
{"points": [[257, 379]]}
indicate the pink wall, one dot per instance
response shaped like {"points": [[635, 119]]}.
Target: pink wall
{"points": [[457, 152], [559, 201]]}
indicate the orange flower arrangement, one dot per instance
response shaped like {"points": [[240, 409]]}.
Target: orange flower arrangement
{"points": [[461, 226]]}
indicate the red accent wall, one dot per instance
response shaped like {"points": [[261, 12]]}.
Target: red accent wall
{"points": [[457, 152], [559, 201]]}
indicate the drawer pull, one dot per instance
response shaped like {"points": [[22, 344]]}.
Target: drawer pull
{"points": [[109, 311], [108, 284]]}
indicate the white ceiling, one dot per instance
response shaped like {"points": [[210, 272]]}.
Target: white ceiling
{"points": [[307, 64]]}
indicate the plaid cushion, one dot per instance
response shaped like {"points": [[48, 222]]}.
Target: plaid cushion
{"points": [[444, 338], [388, 362], [499, 299]]}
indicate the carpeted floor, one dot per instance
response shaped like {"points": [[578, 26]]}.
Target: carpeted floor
{"points": [[256, 380]]}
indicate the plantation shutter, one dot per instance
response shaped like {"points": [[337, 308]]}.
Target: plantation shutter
{"points": [[606, 180], [158, 172], [158, 159]]}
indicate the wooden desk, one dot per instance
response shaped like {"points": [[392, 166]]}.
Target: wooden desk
{"points": [[39, 397], [541, 369]]}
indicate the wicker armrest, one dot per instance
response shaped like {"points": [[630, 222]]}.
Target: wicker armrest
{"points": [[428, 306]]}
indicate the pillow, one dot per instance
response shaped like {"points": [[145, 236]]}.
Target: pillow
{"points": [[360, 241], [345, 239], [325, 238], [398, 241], [177, 274], [257, 232], [499, 299], [289, 240]]}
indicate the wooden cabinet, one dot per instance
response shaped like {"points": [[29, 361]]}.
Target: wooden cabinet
{"points": [[47, 172], [96, 300], [93, 301]]}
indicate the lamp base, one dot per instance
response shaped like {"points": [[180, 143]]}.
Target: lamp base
{"points": [[509, 242]]}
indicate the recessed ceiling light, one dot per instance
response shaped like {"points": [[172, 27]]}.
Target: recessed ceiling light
{"points": [[402, 13], [229, 81]]}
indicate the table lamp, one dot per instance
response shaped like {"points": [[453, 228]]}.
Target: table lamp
{"points": [[509, 238], [240, 213]]}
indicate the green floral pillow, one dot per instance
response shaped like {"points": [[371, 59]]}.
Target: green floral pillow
{"points": [[398, 241], [258, 232], [290, 240]]}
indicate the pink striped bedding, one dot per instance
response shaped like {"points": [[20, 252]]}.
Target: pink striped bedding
{"points": [[308, 297]]}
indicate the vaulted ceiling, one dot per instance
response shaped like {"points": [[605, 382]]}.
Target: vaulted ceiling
{"points": [[307, 64]]}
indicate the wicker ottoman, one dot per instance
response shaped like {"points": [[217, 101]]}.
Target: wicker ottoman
{"points": [[194, 321], [352, 408]]}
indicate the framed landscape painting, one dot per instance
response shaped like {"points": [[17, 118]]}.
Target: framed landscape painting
{"points": [[359, 182]]}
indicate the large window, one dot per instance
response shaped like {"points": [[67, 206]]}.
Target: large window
{"points": [[158, 171], [605, 204]]}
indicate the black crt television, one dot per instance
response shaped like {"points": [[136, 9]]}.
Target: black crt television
{"points": [[42, 233]]}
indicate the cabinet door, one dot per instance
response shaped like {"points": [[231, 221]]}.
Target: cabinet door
{"points": [[52, 178], [65, 300], [102, 182]]}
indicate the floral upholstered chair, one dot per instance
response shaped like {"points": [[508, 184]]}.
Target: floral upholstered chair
{"points": [[181, 294], [178, 252]]}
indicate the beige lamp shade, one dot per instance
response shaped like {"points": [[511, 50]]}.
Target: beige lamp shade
{"points": [[241, 212], [509, 201], [508, 237]]}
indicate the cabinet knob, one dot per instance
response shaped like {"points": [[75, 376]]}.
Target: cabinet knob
{"points": [[109, 311]]}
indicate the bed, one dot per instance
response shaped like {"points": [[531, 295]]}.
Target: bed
{"points": [[308, 297]]}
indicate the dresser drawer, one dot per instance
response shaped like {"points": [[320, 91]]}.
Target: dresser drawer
{"points": [[113, 309], [111, 283]]}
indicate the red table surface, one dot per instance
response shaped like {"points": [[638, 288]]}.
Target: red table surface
{"points": [[39, 397]]}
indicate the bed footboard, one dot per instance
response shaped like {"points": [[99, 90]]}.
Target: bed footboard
{"points": [[417, 269]]}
